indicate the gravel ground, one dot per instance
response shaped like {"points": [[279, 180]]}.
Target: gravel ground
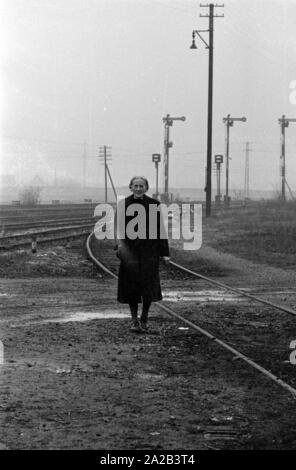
{"points": [[75, 377]]}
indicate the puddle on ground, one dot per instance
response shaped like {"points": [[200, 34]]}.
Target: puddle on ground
{"points": [[170, 296], [76, 317], [202, 296], [56, 368], [219, 295], [87, 316], [147, 376]]}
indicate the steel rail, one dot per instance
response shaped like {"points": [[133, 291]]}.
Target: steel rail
{"points": [[46, 231], [233, 289], [46, 222], [224, 345], [44, 240], [94, 259]]}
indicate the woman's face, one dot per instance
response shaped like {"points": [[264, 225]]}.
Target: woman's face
{"points": [[138, 188]]}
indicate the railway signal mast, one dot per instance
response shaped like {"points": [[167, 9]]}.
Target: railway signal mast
{"points": [[284, 122], [156, 159], [209, 46], [218, 161], [168, 122], [229, 123]]}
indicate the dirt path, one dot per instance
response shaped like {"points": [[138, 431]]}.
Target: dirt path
{"points": [[93, 384]]}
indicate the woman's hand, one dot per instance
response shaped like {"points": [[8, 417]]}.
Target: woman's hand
{"points": [[166, 259], [117, 251]]}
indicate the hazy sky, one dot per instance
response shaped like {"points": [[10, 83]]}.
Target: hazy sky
{"points": [[105, 72]]}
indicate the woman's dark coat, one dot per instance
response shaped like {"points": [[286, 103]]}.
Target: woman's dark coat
{"points": [[139, 260]]}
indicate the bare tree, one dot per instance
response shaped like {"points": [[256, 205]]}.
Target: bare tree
{"points": [[30, 195]]}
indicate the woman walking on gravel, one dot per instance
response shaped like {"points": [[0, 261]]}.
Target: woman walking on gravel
{"points": [[139, 251]]}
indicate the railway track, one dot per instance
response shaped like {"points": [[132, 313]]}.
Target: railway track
{"points": [[35, 218], [16, 221], [13, 215], [45, 236], [20, 226], [22, 213], [103, 257]]}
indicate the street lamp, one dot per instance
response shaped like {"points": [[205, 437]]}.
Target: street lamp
{"points": [[229, 123]]}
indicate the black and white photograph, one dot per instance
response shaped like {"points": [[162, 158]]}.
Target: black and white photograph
{"points": [[148, 228]]}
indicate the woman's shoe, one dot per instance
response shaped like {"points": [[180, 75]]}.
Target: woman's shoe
{"points": [[136, 327], [144, 326]]}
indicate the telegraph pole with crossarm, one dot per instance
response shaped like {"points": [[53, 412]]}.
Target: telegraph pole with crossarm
{"points": [[209, 46]]}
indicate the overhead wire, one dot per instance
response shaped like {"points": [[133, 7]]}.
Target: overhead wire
{"points": [[182, 8]]}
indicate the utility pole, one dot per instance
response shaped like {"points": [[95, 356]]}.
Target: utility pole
{"points": [[209, 46], [247, 171], [105, 156], [168, 122], [284, 122], [229, 123]]}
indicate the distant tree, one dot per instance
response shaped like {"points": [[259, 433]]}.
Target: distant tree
{"points": [[237, 194], [30, 195]]}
